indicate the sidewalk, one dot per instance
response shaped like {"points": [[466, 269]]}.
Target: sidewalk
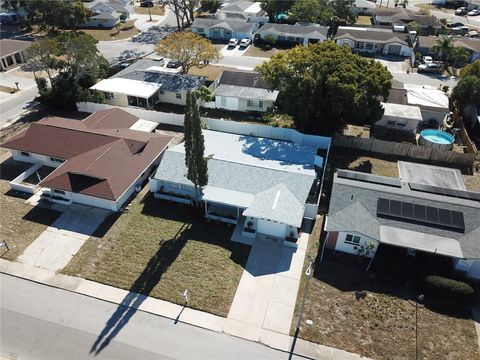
{"points": [[162, 308]]}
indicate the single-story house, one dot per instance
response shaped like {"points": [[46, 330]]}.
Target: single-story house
{"points": [[243, 91], [471, 44], [123, 7], [103, 20], [363, 7], [398, 123], [294, 34], [425, 45], [143, 84], [374, 40], [417, 213], [218, 29], [433, 103], [265, 186], [392, 16], [98, 161], [243, 10], [13, 52]]}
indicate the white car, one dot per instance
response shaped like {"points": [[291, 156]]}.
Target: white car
{"points": [[245, 42], [427, 60], [461, 11], [474, 12], [232, 42]]}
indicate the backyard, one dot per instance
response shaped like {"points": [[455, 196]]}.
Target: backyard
{"points": [[160, 249], [354, 160], [380, 324]]}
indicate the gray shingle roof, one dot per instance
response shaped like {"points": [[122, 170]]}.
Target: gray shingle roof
{"points": [[353, 207], [170, 82], [243, 78], [238, 6], [294, 30], [277, 204], [233, 25], [371, 34]]}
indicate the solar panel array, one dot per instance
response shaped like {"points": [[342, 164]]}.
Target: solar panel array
{"points": [[461, 194], [373, 179], [420, 213]]}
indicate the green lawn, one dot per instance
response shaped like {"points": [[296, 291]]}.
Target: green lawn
{"points": [[160, 249]]}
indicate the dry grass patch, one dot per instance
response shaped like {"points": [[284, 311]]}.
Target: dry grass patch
{"points": [[382, 324], [211, 72], [350, 159], [257, 51], [155, 10], [125, 31], [160, 249], [364, 20]]}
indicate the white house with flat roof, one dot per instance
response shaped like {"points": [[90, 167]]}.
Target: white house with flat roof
{"points": [[265, 186]]}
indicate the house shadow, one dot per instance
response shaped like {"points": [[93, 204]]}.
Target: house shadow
{"points": [[269, 256], [158, 264]]}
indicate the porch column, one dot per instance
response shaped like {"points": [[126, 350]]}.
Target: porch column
{"points": [[238, 212], [206, 212]]}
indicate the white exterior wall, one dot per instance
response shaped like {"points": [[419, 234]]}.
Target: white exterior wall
{"points": [[343, 246], [348, 42], [92, 201], [470, 267], [34, 159], [231, 103], [101, 23], [271, 228], [171, 98]]}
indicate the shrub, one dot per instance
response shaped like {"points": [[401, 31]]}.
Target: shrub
{"points": [[449, 289], [210, 5]]}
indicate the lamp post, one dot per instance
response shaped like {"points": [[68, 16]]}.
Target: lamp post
{"points": [[419, 299]]}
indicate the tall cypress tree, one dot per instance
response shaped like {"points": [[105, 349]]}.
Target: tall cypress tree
{"points": [[197, 167], [187, 127]]}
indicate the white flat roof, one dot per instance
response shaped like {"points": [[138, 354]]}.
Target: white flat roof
{"points": [[402, 111], [431, 175], [130, 87], [144, 125], [426, 97]]}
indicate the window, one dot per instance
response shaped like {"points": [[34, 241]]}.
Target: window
{"points": [[24, 153], [223, 101], [352, 239], [200, 30], [109, 95], [58, 192], [54, 159], [254, 103], [179, 96], [161, 92]]}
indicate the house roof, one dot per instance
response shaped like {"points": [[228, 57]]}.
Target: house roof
{"points": [[246, 164], [371, 34], [106, 15], [427, 41], [427, 20], [407, 115], [101, 161], [165, 81], [353, 207], [393, 15], [312, 31], [469, 43], [9, 46], [428, 97], [277, 204], [364, 4], [242, 6], [131, 87], [249, 79], [246, 92], [230, 24]]}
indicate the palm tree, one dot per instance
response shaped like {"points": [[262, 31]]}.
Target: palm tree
{"points": [[443, 47]]}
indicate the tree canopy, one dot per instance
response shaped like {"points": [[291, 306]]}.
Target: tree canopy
{"points": [[471, 69], [187, 48], [52, 14], [275, 7], [324, 86], [467, 90], [323, 12]]}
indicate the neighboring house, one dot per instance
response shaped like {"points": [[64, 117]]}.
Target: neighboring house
{"points": [[243, 91], [102, 20], [243, 10], [422, 212], [144, 85], [13, 52], [425, 45], [100, 161], [374, 41], [107, 14], [218, 29], [111, 7], [294, 34], [398, 123], [363, 7], [433, 103], [472, 45], [265, 186], [399, 18]]}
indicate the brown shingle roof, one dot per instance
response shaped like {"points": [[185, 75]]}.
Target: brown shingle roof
{"points": [[9, 46], [100, 162]]}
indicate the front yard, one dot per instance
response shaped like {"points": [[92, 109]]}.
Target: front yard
{"points": [[160, 249], [124, 31], [380, 325]]}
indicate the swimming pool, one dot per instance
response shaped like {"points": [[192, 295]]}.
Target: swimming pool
{"points": [[436, 138]]}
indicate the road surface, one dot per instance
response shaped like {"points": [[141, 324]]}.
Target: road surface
{"points": [[14, 106], [41, 322]]}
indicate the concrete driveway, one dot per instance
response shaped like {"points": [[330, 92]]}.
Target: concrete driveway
{"points": [[232, 51], [55, 247], [394, 66]]}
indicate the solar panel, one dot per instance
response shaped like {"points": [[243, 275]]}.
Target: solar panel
{"points": [[428, 215], [373, 179], [461, 194]]}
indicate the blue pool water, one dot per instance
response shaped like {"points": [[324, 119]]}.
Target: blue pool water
{"points": [[437, 137]]}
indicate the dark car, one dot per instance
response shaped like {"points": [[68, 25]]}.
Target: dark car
{"points": [[173, 64], [147, 4], [455, 25]]}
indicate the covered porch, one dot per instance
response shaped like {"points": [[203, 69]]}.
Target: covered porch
{"points": [[223, 205]]}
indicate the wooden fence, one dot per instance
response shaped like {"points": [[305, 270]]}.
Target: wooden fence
{"points": [[407, 151]]}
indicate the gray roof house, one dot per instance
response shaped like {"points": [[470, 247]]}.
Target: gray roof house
{"points": [[145, 84], [398, 123], [422, 211], [224, 29], [294, 34], [243, 91], [265, 186], [241, 10], [374, 40]]}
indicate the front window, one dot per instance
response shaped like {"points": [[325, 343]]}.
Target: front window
{"points": [[200, 30], [109, 95], [24, 153], [179, 96], [223, 101], [254, 103], [60, 192], [54, 159], [352, 239]]}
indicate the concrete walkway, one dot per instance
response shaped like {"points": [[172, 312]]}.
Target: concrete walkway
{"points": [[55, 247], [264, 303]]}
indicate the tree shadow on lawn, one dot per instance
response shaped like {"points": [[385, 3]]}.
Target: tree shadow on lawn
{"points": [[158, 264]]}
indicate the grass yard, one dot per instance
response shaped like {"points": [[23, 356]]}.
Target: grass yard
{"points": [[257, 51], [364, 20], [352, 160], [160, 249], [20, 223], [125, 30], [156, 10], [382, 324], [211, 72]]}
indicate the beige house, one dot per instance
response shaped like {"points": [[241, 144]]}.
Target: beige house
{"points": [[13, 52]]}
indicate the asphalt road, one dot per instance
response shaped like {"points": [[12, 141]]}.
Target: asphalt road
{"points": [[11, 108], [41, 322]]}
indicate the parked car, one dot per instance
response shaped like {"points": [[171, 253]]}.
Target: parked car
{"points": [[232, 42], [474, 12], [245, 42], [433, 68], [147, 4], [173, 64], [427, 60], [461, 11], [160, 60], [455, 25]]}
